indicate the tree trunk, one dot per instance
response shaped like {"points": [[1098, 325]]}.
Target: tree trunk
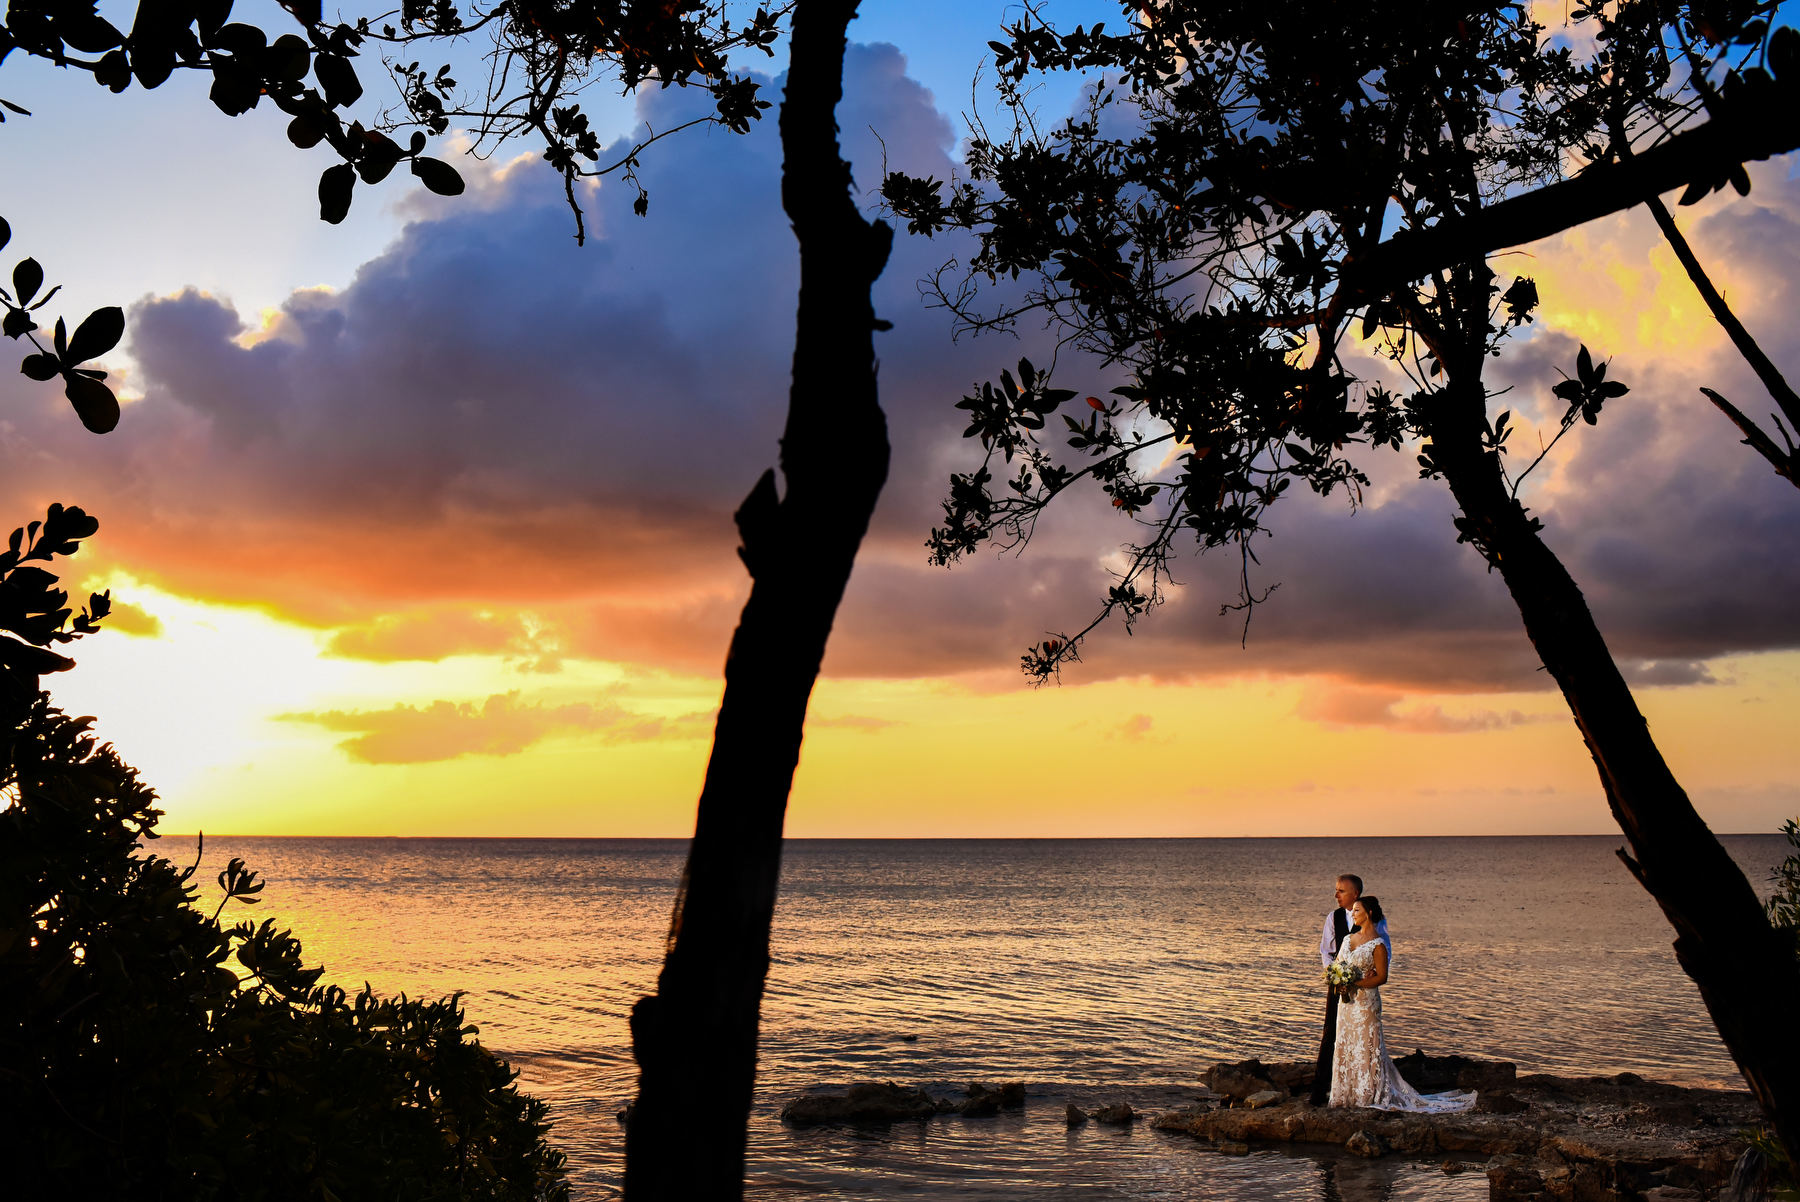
{"points": [[695, 1038], [1723, 939]]}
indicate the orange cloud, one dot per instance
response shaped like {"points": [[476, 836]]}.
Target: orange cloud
{"points": [[501, 725]]}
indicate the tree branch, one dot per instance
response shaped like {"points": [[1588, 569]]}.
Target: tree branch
{"points": [[1703, 154], [1766, 371]]}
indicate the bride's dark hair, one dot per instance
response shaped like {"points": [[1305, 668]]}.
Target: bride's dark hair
{"points": [[1372, 906]]}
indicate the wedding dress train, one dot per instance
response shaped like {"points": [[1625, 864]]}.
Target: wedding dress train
{"points": [[1362, 1072]]}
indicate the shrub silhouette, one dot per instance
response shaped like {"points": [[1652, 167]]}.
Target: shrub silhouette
{"points": [[147, 1051]]}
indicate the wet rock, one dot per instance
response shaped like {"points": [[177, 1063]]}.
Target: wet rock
{"points": [[1177, 1120], [1074, 1116], [1439, 1074], [1511, 1180], [1671, 1193], [1119, 1114], [909, 1039], [1453, 1167], [866, 1102], [1232, 1147], [1267, 1097], [1572, 1138], [992, 1099], [980, 1107], [1295, 1076], [1365, 1143], [1499, 1103], [1238, 1081], [624, 1116]]}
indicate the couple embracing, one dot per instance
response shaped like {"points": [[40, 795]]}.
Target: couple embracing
{"points": [[1354, 1066]]}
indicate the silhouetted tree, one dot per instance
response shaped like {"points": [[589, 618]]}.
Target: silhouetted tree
{"points": [[696, 1036], [698, 1032], [1213, 220]]}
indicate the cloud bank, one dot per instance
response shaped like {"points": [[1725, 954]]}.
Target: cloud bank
{"points": [[493, 443]]}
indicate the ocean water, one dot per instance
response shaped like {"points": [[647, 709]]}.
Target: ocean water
{"points": [[1094, 970]]}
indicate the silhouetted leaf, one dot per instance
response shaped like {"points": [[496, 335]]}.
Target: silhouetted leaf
{"points": [[439, 176], [27, 278], [40, 367], [234, 91], [96, 335], [16, 323], [5, 233], [113, 71], [289, 58], [94, 403], [211, 15], [338, 79], [380, 153], [88, 32], [305, 132], [335, 186]]}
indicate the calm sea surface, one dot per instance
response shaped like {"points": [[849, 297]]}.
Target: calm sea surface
{"points": [[1094, 970]]}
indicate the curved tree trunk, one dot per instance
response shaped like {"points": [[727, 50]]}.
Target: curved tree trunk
{"points": [[1723, 939], [695, 1038]]}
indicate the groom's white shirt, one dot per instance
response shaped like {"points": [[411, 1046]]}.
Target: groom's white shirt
{"points": [[1328, 941]]}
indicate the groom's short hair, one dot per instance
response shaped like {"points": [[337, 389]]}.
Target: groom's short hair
{"points": [[1354, 880]]}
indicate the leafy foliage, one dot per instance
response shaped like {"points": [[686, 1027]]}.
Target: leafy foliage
{"points": [[34, 613], [98, 333], [150, 1052], [1784, 904], [544, 52], [1200, 223]]}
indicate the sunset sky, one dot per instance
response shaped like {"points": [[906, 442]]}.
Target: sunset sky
{"points": [[421, 524]]}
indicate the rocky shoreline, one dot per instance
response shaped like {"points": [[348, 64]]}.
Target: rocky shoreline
{"points": [[1535, 1136]]}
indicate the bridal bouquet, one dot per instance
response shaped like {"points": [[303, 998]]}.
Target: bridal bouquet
{"points": [[1342, 978]]}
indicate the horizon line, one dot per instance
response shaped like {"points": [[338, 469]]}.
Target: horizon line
{"points": [[1775, 834]]}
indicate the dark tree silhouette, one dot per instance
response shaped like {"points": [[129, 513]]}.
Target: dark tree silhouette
{"points": [[1213, 221], [696, 1036]]}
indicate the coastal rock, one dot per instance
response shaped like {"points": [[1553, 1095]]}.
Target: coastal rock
{"points": [[992, 1099], [1176, 1120], [1439, 1074], [1511, 1180], [1566, 1138], [1499, 1103], [1074, 1116], [1119, 1114], [624, 1116], [1238, 1081], [1266, 1097], [1364, 1143], [1232, 1147], [1293, 1076], [865, 1102]]}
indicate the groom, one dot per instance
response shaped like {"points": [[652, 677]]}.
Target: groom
{"points": [[1348, 888]]}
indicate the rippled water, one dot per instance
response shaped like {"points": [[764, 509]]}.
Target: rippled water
{"points": [[1092, 969]]}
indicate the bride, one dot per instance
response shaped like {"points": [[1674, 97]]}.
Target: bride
{"points": [[1362, 1074]]}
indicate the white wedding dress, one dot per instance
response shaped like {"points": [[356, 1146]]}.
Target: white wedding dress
{"points": [[1362, 1072]]}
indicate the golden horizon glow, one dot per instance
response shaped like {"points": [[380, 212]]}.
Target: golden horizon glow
{"points": [[205, 706]]}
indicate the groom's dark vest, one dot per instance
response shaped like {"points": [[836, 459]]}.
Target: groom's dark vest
{"points": [[1340, 929]]}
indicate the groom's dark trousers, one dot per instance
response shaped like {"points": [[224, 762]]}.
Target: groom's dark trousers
{"points": [[1321, 1090]]}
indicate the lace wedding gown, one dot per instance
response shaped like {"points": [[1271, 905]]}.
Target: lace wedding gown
{"points": [[1362, 1072]]}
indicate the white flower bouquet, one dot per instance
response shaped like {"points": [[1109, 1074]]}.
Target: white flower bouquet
{"points": [[1343, 978]]}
